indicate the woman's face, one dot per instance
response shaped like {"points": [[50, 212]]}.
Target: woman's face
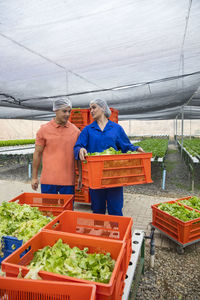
{"points": [[96, 111]]}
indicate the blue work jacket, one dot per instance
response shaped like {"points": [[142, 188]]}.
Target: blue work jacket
{"points": [[93, 139]]}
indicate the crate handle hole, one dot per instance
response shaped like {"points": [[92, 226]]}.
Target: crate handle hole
{"points": [[56, 224]]}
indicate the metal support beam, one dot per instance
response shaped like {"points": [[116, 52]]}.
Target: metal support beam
{"points": [[182, 129]]}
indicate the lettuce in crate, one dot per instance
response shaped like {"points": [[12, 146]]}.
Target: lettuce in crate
{"points": [[20, 221]]}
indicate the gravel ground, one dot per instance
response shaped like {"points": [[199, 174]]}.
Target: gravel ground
{"points": [[174, 276]]}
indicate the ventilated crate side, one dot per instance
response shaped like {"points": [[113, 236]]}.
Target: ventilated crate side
{"points": [[47, 203], [116, 170], [183, 232], [26, 289]]}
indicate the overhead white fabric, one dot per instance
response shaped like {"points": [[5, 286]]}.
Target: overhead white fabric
{"points": [[142, 57]]}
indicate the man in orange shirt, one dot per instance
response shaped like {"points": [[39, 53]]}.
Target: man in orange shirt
{"points": [[54, 146]]}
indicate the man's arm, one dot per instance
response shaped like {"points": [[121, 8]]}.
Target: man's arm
{"points": [[37, 157]]}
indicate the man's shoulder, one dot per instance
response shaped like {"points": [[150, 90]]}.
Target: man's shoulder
{"points": [[46, 125], [73, 127]]}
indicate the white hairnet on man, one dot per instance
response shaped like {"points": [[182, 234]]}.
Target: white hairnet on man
{"points": [[103, 105], [61, 103]]}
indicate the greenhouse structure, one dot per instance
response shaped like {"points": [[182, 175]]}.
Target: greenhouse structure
{"points": [[143, 58]]}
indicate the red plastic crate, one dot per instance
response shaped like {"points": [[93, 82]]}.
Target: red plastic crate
{"points": [[102, 226], [26, 289], [113, 117], [47, 203], [83, 195], [183, 232], [110, 291], [80, 117], [103, 171]]}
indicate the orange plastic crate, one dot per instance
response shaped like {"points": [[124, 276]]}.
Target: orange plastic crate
{"points": [[82, 196], [80, 117], [113, 117], [47, 203], [26, 289], [110, 291], [183, 232], [103, 171], [102, 226]]}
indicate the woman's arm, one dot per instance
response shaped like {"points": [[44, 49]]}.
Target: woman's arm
{"points": [[80, 148], [124, 143]]}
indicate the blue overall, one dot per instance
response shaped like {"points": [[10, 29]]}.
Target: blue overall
{"points": [[93, 139]]}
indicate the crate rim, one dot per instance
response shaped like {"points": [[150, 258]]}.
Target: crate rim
{"points": [[113, 156]]}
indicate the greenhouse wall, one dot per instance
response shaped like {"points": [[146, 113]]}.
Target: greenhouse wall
{"points": [[22, 129], [160, 127]]}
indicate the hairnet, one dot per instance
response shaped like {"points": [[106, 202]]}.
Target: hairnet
{"points": [[61, 103], [103, 105]]}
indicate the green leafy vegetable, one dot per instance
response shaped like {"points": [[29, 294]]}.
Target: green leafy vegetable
{"points": [[110, 151], [193, 202], [20, 221], [179, 211], [74, 262], [158, 147]]}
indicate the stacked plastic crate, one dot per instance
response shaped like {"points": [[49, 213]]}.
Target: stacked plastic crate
{"points": [[99, 233], [82, 118]]}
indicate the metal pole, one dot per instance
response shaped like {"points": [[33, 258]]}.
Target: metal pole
{"points": [[182, 123], [164, 179], [29, 169]]}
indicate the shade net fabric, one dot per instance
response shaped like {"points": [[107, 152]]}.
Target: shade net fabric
{"points": [[142, 57]]}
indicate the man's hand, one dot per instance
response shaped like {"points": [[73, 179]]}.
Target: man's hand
{"points": [[82, 154], [34, 184]]}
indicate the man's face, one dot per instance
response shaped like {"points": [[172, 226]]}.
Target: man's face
{"points": [[62, 115]]}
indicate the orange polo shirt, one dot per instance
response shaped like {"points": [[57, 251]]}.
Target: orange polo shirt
{"points": [[58, 156]]}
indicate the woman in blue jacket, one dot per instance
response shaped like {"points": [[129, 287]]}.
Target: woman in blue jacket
{"points": [[97, 137]]}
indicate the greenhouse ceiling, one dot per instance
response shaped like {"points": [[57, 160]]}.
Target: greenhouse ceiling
{"points": [[142, 56]]}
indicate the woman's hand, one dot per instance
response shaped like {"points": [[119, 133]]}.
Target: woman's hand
{"points": [[82, 154], [140, 150]]}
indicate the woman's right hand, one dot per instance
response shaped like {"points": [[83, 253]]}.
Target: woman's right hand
{"points": [[82, 154]]}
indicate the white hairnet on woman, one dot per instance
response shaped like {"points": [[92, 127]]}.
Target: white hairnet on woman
{"points": [[61, 103], [103, 105]]}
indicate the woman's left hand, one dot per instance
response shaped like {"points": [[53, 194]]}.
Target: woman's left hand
{"points": [[140, 150]]}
